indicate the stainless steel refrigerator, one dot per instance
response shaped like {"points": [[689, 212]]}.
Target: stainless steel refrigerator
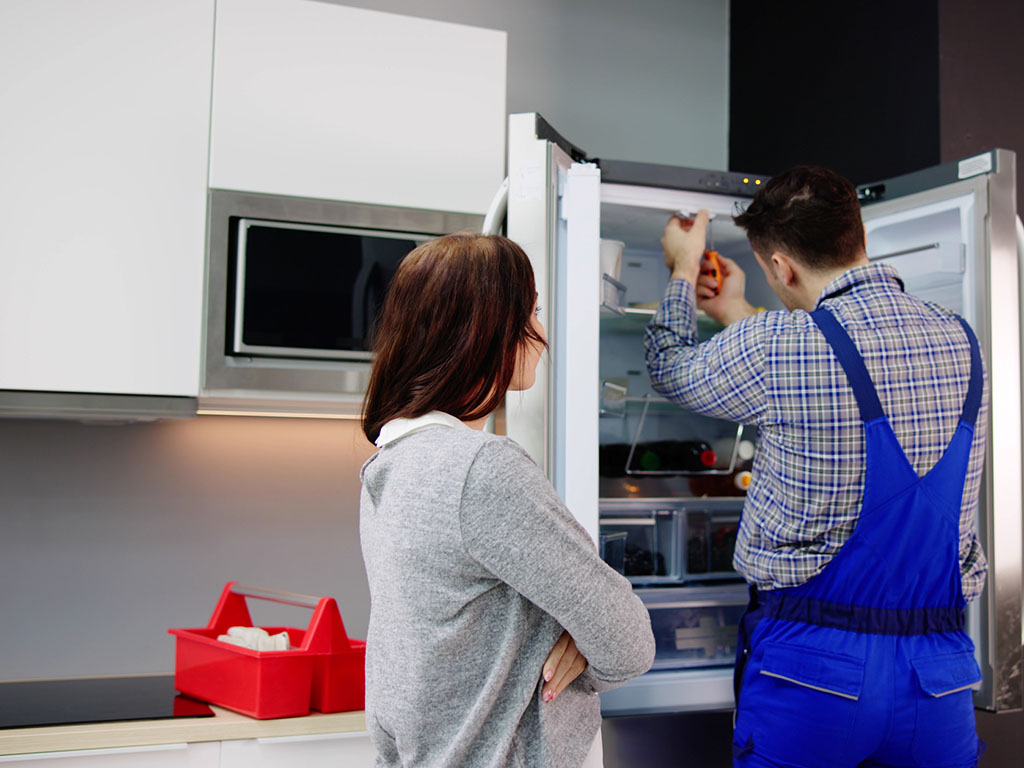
{"points": [[604, 437]]}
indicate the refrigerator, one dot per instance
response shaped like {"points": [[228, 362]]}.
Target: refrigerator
{"points": [[661, 489]]}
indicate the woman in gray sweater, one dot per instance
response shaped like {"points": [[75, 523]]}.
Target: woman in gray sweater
{"points": [[493, 622]]}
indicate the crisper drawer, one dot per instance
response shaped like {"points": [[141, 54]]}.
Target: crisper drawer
{"points": [[694, 626], [671, 541], [653, 544]]}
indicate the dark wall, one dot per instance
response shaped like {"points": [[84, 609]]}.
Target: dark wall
{"points": [[981, 77], [874, 89], [853, 86]]}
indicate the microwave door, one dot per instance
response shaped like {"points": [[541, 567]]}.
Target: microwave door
{"points": [[950, 233], [311, 291]]}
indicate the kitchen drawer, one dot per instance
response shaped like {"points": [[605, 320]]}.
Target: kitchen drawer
{"points": [[334, 750], [201, 755]]}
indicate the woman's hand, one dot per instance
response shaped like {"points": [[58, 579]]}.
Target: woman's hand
{"points": [[564, 664]]}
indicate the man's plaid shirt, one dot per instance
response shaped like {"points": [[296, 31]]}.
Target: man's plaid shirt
{"points": [[776, 370]]}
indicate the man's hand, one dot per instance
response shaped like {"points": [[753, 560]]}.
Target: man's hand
{"points": [[723, 296], [683, 243], [564, 664]]}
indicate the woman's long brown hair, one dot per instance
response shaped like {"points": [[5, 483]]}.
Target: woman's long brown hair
{"points": [[447, 338]]}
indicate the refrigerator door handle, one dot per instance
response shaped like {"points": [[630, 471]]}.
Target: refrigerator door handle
{"points": [[1020, 238], [495, 217]]}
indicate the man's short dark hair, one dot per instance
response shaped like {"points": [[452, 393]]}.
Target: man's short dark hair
{"points": [[809, 213]]}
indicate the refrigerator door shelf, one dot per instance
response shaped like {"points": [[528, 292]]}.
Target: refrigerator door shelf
{"points": [[613, 297]]}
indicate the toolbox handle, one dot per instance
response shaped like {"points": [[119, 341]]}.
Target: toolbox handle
{"points": [[326, 630], [276, 595]]}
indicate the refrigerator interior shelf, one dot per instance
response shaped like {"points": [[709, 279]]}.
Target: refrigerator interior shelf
{"points": [[647, 400], [632, 321]]}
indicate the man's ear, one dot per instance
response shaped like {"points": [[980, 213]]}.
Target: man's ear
{"points": [[784, 270]]}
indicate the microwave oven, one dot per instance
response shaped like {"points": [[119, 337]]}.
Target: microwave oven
{"points": [[293, 286]]}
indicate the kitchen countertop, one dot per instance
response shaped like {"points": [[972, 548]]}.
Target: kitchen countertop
{"points": [[224, 725]]}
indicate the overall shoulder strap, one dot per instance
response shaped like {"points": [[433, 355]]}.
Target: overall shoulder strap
{"points": [[973, 400], [852, 362]]}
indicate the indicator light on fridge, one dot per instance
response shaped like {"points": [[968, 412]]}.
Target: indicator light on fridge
{"points": [[757, 181], [746, 181]]}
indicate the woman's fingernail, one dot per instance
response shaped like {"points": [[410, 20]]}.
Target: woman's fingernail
{"points": [[547, 677], [548, 696]]}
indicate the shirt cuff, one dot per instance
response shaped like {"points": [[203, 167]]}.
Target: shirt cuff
{"points": [[677, 312]]}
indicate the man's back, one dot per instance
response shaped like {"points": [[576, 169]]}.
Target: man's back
{"points": [[776, 370]]}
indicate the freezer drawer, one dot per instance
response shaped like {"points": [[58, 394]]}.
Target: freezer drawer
{"points": [[694, 626]]}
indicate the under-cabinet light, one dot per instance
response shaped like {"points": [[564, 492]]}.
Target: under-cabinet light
{"points": [[280, 415]]}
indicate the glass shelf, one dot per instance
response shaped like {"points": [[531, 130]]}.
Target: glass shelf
{"points": [[631, 321], [704, 446]]}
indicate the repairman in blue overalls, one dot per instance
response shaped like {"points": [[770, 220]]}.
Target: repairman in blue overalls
{"points": [[857, 536]]}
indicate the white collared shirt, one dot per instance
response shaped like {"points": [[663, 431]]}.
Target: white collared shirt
{"points": [[397, 428]]}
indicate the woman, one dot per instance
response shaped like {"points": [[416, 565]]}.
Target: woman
{"points": [[488, 599]]}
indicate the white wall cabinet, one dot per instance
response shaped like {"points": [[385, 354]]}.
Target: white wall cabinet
{"points": [[104, 150], [107, 147], [336, 750], [318, 100]]}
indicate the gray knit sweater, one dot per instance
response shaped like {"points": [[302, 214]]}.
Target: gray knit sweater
{"points": [[475, 566]]}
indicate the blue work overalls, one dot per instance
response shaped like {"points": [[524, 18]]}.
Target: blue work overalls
{"points": [[868, 663]]}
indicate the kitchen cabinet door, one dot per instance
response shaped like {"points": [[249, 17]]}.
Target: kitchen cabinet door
{"points": [[201, 755], [104, 149], [314, 99], [335, 750]]}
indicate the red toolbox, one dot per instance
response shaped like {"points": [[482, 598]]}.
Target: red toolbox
{"points": [[324, 669]]}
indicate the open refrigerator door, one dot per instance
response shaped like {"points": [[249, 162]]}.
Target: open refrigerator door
{"points": [[951, 233], [657, 485]]}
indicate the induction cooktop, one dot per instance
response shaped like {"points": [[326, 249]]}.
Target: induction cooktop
{"points": [[66, 701]]}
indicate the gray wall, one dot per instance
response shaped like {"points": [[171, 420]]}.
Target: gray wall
{"points": [[646, 80], [113, 534]]}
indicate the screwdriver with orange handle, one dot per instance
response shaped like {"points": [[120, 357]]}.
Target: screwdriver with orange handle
{"points": [[710, 255]]}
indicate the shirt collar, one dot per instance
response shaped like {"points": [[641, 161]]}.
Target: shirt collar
{"points": [[397, 428], [857, 278]]}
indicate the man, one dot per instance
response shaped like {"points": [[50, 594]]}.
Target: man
{"points": [[858, 534]]}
